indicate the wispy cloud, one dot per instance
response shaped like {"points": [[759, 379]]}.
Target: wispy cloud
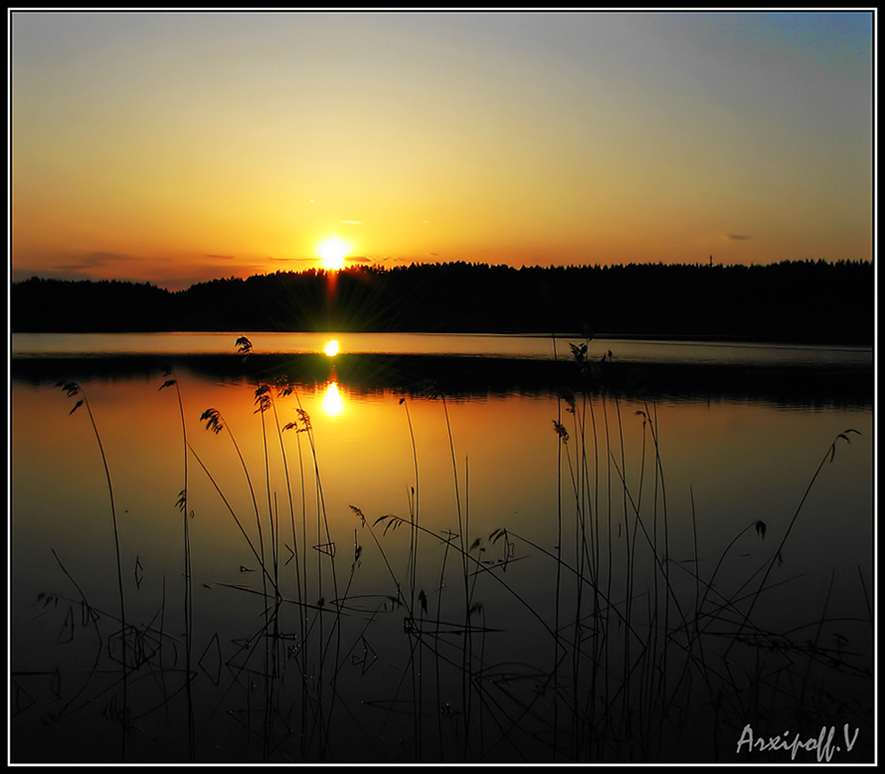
{"points": [[736, 237], [220, 257], [76, 266], [91, 265], [95, 259]]}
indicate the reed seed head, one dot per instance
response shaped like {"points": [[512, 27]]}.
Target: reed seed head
{"points": [[212, 418], [560, 430]]}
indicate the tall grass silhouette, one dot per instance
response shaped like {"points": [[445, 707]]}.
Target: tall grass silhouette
{"points": [[72, 389], [187, 515], [438, 640]]}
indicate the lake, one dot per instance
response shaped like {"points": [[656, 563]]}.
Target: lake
{"points": [[435, 548]]}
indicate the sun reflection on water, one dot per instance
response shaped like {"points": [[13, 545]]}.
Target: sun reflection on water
{"points": [[333, 405]]}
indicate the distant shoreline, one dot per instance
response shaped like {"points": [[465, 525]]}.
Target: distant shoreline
{"points": [[790, 302]]}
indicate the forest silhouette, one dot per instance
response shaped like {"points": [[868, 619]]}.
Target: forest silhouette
{"points": [[792, 301]]}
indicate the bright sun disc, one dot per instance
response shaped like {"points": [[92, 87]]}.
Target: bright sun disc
{"points": [[331, 348], [333, 252]]}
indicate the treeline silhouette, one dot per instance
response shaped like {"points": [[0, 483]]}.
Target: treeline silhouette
{"points": [[791, 301]]}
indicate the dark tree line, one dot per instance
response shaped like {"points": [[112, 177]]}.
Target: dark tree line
{"points": [[801, 301]]}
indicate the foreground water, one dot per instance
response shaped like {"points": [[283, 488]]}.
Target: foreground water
{"points": [[423, 575]]}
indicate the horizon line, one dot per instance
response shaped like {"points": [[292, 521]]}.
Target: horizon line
{"points": [[375, 267]]}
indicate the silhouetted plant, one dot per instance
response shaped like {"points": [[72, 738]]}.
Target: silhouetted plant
{"points": [[182, 505], [628, 667], [72, 389]]}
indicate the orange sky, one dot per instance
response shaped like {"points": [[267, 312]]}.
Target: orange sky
{"points": [[177, 147]]}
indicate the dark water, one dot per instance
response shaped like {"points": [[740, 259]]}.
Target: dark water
{"points": [[489, 559]]}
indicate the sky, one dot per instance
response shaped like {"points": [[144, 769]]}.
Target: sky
{"points": [[177, 147]]}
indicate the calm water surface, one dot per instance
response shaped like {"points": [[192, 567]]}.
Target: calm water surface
{"points": [[457, 579], [536, 347]]}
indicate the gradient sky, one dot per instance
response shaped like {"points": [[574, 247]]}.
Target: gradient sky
{"points": [[175, 147]]}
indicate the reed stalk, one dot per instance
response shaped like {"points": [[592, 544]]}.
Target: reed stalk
{"points": [[624, 678], [829, 456], [188, 573], [73, 389]]}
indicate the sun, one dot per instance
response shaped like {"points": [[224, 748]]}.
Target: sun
{"points": [[333, 252]]}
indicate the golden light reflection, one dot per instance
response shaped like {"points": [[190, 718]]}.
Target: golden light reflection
{"points": [[332, 403], [333, 251], [331, 348]]}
